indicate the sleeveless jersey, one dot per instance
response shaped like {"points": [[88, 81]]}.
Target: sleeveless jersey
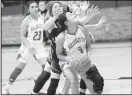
{"points": [[35, 34], [75, 45]]}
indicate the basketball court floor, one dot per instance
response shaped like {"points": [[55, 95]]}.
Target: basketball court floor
{"points": [[113, 61]]}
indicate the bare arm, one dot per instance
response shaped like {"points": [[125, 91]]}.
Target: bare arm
{"points": [[83, 8], [98, 25], [91, 12], [93, 27], [59, 48], [23, 29], [84, 20], [88, 38], [48, 24]]}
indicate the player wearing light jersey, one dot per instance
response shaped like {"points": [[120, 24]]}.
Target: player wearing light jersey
{"points": [[54, 79], [76, 60], [32, 41], [83, 11]]}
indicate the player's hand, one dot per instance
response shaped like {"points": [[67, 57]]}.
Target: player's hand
{"points": [[102, 20], [84, 5], [93, 11], [72, 6], [31, 49]]}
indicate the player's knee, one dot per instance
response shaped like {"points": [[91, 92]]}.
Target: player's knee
{"points": [[55, 75], [55, 70], [47, 67], [96, 78], [21, 65]]}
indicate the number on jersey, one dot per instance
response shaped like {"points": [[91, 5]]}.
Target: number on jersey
{"points": [[80, 49], [37, 35]]}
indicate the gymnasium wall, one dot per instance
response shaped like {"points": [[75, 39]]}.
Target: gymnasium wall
{"points": [[117, 28]]}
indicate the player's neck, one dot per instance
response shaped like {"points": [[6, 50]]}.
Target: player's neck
{"points": [[34, 17], [72, 30]]}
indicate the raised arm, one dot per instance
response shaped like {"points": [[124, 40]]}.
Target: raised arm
{"points": [[91, 12], [98, 25], [49, 23], [83, 8]]}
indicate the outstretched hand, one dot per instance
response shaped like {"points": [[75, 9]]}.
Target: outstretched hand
{"points": [[84, 5], [93, 11], [102, 20]]}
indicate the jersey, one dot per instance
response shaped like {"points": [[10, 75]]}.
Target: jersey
{"points": [[75, 45], [35, 38], [35, 34], [53, 56], [75, 48], [53, 34]]}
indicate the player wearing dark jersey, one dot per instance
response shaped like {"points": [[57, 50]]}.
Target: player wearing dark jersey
{"points": [[53, 60]]}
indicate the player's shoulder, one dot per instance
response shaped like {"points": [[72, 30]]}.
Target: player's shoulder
{"points": [[26, 20], [61, 36]]}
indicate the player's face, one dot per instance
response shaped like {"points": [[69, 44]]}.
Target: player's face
{"points": [[42, 6], [57, 8], [33, 8], [71, 17]]}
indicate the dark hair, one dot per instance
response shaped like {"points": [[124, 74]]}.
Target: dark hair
{"points": [[45, 2], [42, 1], [28, 5], [29, 2], [50, 5]]}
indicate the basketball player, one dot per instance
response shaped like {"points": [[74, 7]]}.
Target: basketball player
{"points": [[56, 71], [53, 85], [82, 12], [32, 41], [55, 67], [76, 46]]}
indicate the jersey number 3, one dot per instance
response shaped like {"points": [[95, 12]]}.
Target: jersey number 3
{"points": [[37, 35], [80, 49]]}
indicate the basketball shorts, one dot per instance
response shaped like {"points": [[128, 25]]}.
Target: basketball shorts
{"points": [[41, 52]]}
